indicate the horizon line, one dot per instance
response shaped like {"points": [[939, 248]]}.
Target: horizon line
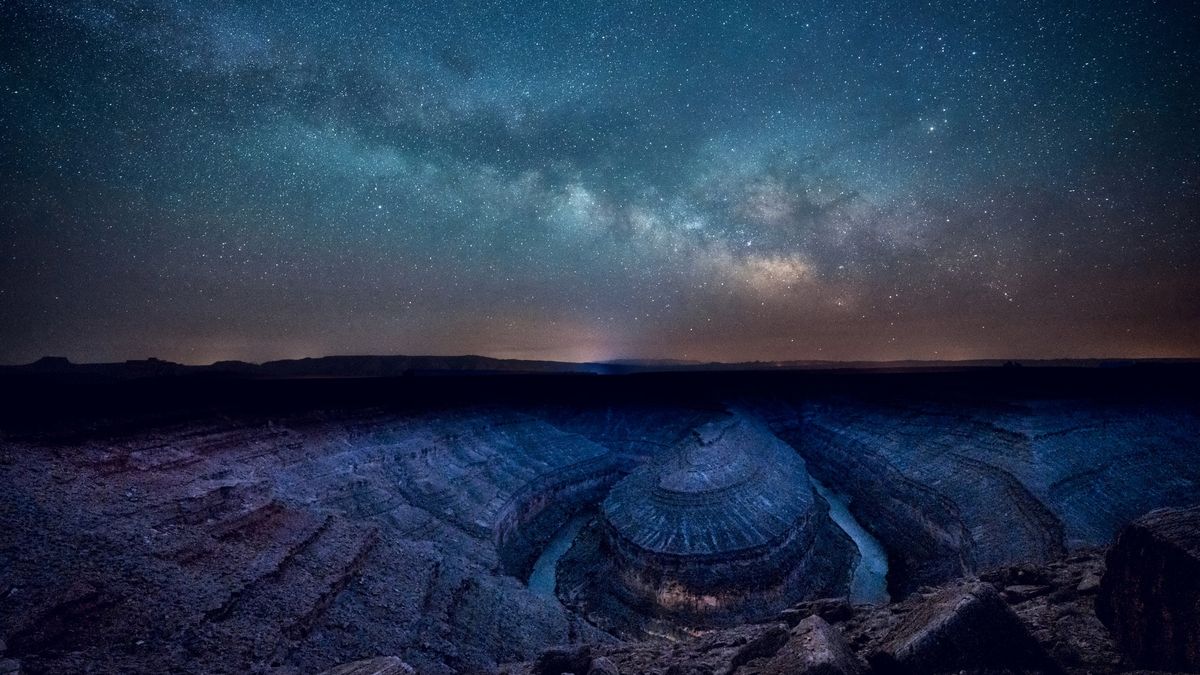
{"points": [[630, 361]]}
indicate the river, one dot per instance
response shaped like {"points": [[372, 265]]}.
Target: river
{"points": [[544, 577], [869, 584]]}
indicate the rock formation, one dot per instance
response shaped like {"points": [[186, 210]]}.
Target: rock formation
{"points": [[383, 665], [1150, 592], [967, 627], [1030, 618], [955, 488], [723, 525], [815, 648]]}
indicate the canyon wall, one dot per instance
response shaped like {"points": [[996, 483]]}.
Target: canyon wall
{"points": [[955, 488]]}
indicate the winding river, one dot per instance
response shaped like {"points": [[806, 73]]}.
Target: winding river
{"points": [[869, 584], [544, 577]]}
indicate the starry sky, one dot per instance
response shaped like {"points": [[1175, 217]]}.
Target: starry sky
{"points": [[199, 180]]}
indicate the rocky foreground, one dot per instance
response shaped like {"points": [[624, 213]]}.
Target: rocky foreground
{"points": [[1018, 619], [1025, 618]]}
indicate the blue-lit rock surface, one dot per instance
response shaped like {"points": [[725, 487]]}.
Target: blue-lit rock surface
{"points": [[294, 535], [729, 487], [721, 527]]}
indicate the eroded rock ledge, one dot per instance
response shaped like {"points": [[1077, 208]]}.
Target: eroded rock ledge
{"points": [[1150, 593]]}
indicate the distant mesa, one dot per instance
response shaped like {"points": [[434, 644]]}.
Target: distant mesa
{"points": [[51, 363]]}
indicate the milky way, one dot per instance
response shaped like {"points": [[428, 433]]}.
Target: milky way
{"points": [[201, 180]]}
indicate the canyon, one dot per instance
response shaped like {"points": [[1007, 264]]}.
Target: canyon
{"points": [[224, 523]]}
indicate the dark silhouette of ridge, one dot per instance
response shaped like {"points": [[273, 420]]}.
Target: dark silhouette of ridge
{"points": [[367, 366]]}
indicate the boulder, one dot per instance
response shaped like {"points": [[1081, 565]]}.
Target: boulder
{"points": [[381, 665], [1021, 574], [1149, 596], [603, 666], [963, 627], [815, 648], [719, 652], [763, 645], [568, 659], [1023, 592], [832, 610], [1088, 585]]}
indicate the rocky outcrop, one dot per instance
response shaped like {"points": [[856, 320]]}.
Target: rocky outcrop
{"points": [[815, 648], [1056, 602], [967, 627], [1150, 593], [577, 659], [1029, 618], [383, 665], [721, 652], [603, 666]]}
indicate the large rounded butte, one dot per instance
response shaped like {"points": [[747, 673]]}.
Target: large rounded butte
{"points": [[722, 527]]}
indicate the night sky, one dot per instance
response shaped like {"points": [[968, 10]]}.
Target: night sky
{"points": [[199, 180]]}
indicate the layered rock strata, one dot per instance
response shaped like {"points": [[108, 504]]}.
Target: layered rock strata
{"points": [[244, 545], [956, 488], [724, 526]]}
